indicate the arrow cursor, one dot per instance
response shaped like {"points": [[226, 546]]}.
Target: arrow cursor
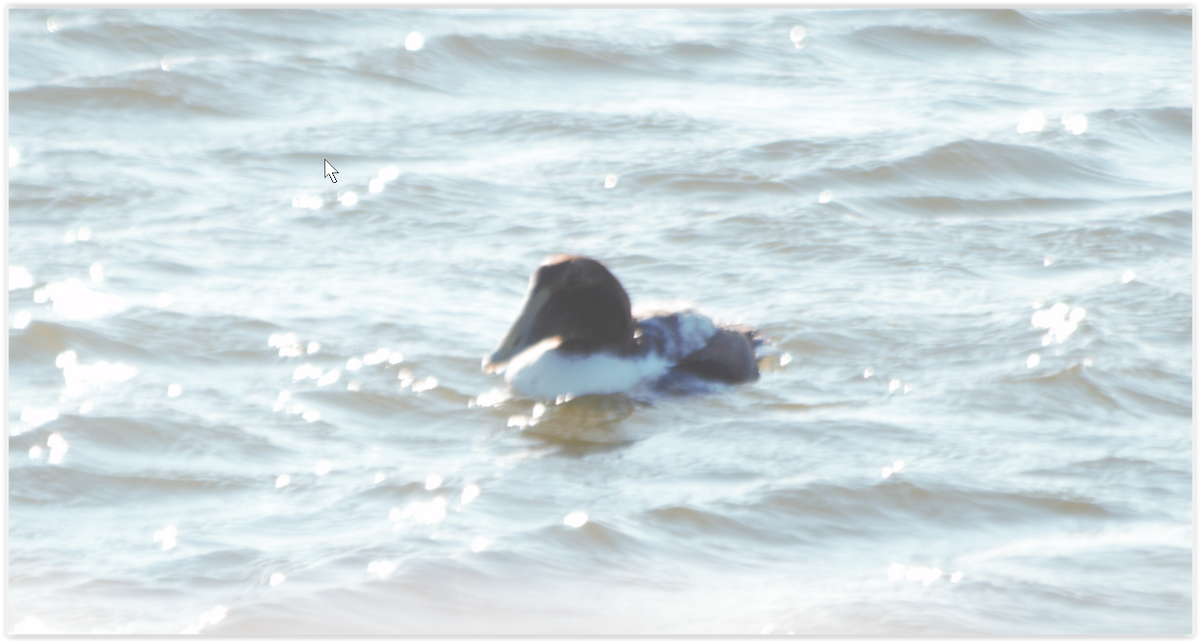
{"points": [[330, 172]]}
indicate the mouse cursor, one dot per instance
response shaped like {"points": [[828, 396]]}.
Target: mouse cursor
{"points": [[330, 172]]}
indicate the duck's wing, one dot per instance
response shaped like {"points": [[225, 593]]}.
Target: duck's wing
{"points": [[728, 356], [699, 347]]}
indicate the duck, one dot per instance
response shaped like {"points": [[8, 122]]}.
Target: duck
{"points": [[576, 334]]}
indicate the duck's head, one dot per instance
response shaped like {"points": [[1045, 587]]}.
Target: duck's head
{"points": [[574, 300]]}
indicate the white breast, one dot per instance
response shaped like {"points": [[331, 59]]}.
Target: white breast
{"points": [[544, 372], [667, 338]]}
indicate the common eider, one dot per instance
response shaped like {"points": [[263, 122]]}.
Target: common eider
{"points": [[576, 335]]}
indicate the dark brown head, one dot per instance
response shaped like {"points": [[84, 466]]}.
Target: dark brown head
{"points": [[574, 299]]}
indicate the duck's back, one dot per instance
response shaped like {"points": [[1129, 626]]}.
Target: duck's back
{"points": [[697, 346]]}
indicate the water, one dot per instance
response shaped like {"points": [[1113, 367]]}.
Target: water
{"points": [[243, 401]]}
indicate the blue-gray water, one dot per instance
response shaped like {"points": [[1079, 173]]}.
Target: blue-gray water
{"points": [[987, 212]]}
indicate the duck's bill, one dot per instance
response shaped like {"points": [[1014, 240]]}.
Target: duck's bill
{"points": [[517, 338]]}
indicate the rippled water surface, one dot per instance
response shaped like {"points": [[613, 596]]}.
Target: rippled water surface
{"points": [[245, 399]]}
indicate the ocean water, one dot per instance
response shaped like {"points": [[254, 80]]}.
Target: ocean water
{"points": [[244, 399]]}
